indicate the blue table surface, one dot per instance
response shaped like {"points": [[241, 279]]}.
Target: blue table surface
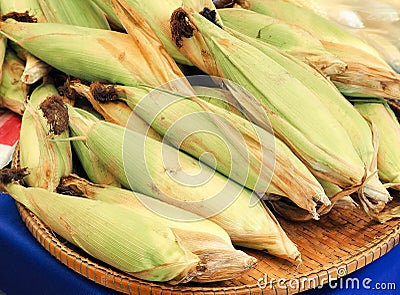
{"points": [[27, 268]]}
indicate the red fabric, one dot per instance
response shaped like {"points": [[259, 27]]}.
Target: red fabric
{"points": [[10, 125]]}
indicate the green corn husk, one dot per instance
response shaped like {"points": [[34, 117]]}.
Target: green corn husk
{"points": [[13, 92], [149, 173], [274, 87], [219, 259], [106, 6], [46, 158], [74, 12], [290, 177], [375, 22], [288, 38], [35, 69], [380, 114], [116, 235], [79, 13], [349, 118], [95, 169], [113, 20], [220, 97], [117, 112], [304, 196], [110, 56], [308, 20], [367, 74]]}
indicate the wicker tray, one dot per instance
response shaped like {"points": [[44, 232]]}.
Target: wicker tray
{"points": [[337, 245]]}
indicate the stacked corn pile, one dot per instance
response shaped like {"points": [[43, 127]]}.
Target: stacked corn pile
{"points": [[175, 171]]}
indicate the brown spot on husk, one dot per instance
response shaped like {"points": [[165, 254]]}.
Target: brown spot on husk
{"points": [[66, 91], [210, 15], [56, 114], [103, 93], [67, 189], [223, 3], [9, 175], [180, 27], [22, 17]]}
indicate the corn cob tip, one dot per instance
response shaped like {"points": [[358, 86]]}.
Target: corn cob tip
{"points": [[56, 114], [103, 93], [65, 88], [180, 27], [10, 175], [24, 17]]}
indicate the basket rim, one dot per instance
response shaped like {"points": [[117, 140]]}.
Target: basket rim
{"points": [[119, 281]]}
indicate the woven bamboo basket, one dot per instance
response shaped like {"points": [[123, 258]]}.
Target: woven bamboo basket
{"points": [[338, 244]]}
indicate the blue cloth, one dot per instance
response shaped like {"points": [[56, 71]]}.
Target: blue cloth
{"points": [[27, 268]]}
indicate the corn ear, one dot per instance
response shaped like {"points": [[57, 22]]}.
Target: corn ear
{"points": [[380, 114], [300, 186], [95, 169], [357, 128], [111, 56], [132, 243], [367, 74], [250, 226], [218, 258], [251, 148], [309, 21], [375, 22], [39, 150], [288, 38], [272, 83], [13, 92], [80, 13]]}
